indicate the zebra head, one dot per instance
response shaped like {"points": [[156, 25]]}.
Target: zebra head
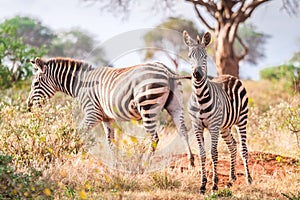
{"points": [[42, 86], [197, 54]]}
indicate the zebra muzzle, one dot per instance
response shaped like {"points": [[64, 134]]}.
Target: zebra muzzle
{"points": [[29, 106], [198, 74]]}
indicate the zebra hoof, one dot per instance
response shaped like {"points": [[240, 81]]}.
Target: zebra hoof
{"points": [[229, 184], [233, 177], [214, 188], [249, 180], [231, 180], [202, 190], [192, 163]]}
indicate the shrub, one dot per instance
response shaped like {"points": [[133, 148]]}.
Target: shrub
{"points": [[21, 185], [287, 72]]}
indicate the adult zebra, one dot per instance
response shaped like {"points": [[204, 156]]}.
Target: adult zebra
{"points": [[216, 105], [107, 94]]}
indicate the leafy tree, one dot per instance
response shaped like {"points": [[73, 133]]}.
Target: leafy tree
{"points": [[296, 55], [288, 73], [32, 31], [167, 38], [77, 43], [253, 40], [14, 55], [223, 19]]}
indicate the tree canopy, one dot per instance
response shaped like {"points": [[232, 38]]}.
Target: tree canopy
{"points": [[15, 54], [24, 38], [77, 43], [167, 38], [222, 17]]}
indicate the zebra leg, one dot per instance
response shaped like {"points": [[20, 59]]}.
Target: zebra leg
{"points": [[202, 155], [175, 109], [150, 124], [244, 150], [232, 147], [214, 132], [109, 131]]}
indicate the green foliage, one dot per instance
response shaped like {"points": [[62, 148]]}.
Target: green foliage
{"points": [[287, 72], [167, 38], [39, 138], [292, 121], [20, 185], [164, 181], [24, 38], [14, 54], [266, 129], [254, 42], [77, 43], [32, 31], [220, 194], [291, 196]]}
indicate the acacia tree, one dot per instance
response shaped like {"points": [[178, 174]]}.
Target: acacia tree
{"points": [[15, 54], [167, 38], [227, 16], [32, 31], [77, 43]]}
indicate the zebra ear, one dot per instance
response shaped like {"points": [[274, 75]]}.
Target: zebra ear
{"points": [[198, 39], [206, 39], [187, 39], [39, 64]]}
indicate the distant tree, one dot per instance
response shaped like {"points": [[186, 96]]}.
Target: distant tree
{"points": [[288, 73], [14, 54], [254, 41], [223, 18], [77, 43], [296, 55], [167, 38], [32, 31], [24, 38]]}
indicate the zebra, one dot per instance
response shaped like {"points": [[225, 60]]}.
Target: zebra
{"points": [[109, 94], [217, 105]]}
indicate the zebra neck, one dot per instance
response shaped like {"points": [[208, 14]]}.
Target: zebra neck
{"points": [[201, 89], [84, 82], [72, 81]]}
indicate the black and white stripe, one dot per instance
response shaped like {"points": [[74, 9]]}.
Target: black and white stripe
{"points": [[107, 94], [216, 105]]}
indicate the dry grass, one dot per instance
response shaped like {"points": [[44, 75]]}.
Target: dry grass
{"points": [[48, 140]]}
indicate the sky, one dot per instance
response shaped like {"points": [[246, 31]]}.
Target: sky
{"points": [[124, 34]]}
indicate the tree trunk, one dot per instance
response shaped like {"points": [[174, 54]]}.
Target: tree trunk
{"points": [[226, 60], [227, 65]]}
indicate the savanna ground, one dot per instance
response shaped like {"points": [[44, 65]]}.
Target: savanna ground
{"points": [[42, 155]]}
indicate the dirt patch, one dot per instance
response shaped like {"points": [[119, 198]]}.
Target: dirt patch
{"points": [[260, 165]]}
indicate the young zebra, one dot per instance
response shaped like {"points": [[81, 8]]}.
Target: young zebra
{"points": [[216, 105], [107, 94]]}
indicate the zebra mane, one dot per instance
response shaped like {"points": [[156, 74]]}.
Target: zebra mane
{"points": [[62, 62]]}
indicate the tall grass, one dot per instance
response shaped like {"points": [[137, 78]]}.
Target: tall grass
{"points": [[47, 158]]}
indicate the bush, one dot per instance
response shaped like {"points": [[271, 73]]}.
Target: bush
{"points": [[287, 72], [15, 55], [277, 129], [21, 185]]}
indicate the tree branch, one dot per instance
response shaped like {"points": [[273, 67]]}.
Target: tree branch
{"points": [[248, 10], [245, 48], [202, 19], [236, 14], [210, 5], [291, 6]]}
